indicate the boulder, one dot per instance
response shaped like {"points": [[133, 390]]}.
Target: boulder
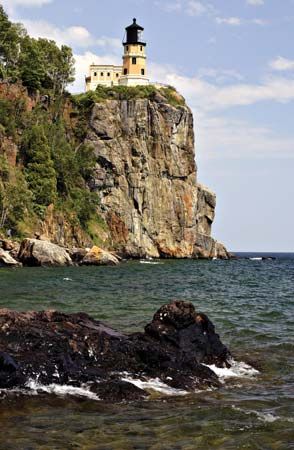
{"points": [[34, 252], [7, 260], [77, 254], [98, 257], [74, 349]]}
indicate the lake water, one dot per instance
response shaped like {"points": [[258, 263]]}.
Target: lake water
{"points": [[251, 305]]}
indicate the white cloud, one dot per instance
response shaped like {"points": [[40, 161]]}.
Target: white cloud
{"points": [[195, 8], [213, 97], [190, 7], [255, 2], [77, 36], [25, 3], [282, 64], [218, 135], [74, 35], [261, 22], [11, 5], [219, 75], [233, 21], [229, 138]]}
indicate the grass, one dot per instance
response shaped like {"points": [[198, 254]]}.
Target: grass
{"points": [[86, 100]]}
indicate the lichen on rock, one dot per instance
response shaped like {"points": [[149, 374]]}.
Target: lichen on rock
{"points": [[146, 176]]}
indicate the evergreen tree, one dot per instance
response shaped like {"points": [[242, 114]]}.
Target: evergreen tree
{"points": [[40, 172]]}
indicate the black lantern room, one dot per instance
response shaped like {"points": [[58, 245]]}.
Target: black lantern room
{"points": [[134, 34]]}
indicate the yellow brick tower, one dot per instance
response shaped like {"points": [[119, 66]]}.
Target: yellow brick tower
{"points": [[134, 59]]}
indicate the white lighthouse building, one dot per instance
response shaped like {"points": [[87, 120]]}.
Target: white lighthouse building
{"points": [[133, 72]]}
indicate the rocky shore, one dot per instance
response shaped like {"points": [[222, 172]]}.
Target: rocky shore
{"points": [[73, 349], [38, 252]]}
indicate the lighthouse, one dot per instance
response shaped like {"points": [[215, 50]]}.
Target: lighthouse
{"points": [[133, 71], [134, 58]]}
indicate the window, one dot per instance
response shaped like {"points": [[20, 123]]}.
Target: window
{"points": [[141, 48], [95, 74], [117, 75], [127, 48], [125, 71], [134, 60], [102, 74], [142, 71], [108, 74]]}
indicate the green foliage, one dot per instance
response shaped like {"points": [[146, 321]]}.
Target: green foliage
{"points": [[11, 115], [10, 35], [15, 197], [54, 165], [40, 172], [86, 100], [39, 63], [172, 96]]}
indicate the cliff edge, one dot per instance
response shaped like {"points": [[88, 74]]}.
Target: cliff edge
{"points": [[114, 168], [146, 176]]}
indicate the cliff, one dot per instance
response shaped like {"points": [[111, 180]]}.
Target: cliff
{"points": [[146, 177], [143, 172]]}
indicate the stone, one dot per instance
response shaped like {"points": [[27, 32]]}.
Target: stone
{"points": [[34, 252], [98, 257], [6, 260], [74, 349], [146, 177], [77, 254]]}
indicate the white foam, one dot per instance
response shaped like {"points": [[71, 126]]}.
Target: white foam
{"points": [[143, 261], [238, 369], [67, 279], [263, 417], [60, 390], [153, 384], [255, 259]]}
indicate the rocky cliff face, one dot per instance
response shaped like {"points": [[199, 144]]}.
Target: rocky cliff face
{"points": [[146, 176]]}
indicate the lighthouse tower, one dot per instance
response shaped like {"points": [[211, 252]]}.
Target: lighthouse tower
{"points": [[134, 59]]}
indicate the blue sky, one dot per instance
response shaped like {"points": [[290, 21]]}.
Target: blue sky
{"points": [[234, 62]]}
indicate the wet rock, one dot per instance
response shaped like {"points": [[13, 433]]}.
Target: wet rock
{"points": [[35, 252], [6, 260], [75, 349], [118, 391], [77, 254], [98, 257]]}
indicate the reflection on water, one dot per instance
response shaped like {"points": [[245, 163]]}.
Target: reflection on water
{"points": [[250, 303]]}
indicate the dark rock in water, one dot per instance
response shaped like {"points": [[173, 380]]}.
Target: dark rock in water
{"points": [[75, 349]]}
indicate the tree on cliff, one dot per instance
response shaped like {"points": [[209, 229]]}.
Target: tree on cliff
{"points": [[10, 36], [39, 171], [39, 63], [15, 197]]}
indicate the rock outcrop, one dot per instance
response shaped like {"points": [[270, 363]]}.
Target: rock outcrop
{"points": [[146, 176], [6, 260], [98, 257], [74, 349], [35, 252]]}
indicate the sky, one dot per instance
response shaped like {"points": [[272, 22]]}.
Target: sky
{"points": [[233, 60]]}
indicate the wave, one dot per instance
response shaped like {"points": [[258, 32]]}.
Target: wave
{"points": [[153, 384], [143, 261], [255, 259], [34, 387], [265, 417], [238, 369], [60, 390]]}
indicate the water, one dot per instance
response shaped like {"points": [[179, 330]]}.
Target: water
{"points": [[251, 304]]}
